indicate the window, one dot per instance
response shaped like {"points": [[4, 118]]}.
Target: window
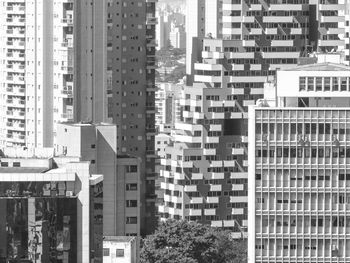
{"points": [[327, 84], [131, 187], [131, 220], [335, 84], [310, 83], [343, 84], [119, 253], [131, 169], [318, 84], [131, 203], [16, 164], [106, 252]]}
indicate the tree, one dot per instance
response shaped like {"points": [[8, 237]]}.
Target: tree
{"points": [[185, 242]]}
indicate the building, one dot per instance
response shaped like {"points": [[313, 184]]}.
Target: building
{"points": [[97, 144], [205, 170], [177, 37], [298, 197], [119, 249], [195, 29], [131, 87], [162, 31], [51, 208], [52, 60], [167, 101]]}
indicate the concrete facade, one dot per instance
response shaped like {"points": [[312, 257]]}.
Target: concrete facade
{"points": [[119, 249], [131, 71], [298, 162], [97, 144]]}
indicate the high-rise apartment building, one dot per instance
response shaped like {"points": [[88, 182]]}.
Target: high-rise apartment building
{"points": [[52, 69], [205, 170], [51, 208], [131, 87], [299, 156]]}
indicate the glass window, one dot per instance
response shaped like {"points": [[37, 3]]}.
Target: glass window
{"points": [[131, 169], [106, 252], [318, 84], [343, 86], [119, 253], [335, 84], [327, 84], [302, 83], [310, 84], [131, 187], [131, 220]]}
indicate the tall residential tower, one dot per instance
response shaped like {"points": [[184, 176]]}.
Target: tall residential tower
{"points": [[131, 87], [52, 69]]}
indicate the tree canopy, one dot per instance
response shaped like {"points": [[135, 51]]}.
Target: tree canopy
{"points": [[188, 242]]}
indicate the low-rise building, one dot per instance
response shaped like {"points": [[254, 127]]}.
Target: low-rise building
{"points": [[119, 249], [51, 208], [97, 143]]}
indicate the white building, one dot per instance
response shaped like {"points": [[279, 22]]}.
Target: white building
{"points": [[167, 103], [298, 175], [119, 249], [177, 37], [44, 78]]}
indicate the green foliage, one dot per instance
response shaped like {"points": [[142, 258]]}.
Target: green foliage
{"points": [[184, 242]]}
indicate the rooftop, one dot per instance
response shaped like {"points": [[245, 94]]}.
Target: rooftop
{"points": [[119, 238], [87, 124], [319, 67], [23, 169]]}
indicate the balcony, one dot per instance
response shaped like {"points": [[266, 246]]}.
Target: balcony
{"points": [[151, 65], [278, 19], [238, 199], [216, 176], [215, 164], [15, 9], [209, 151], [215, 187], [332, 19], [210, 212], [249, 43], [237, 151], [150, 109], [190, 188], [331, 43], [151, 20], [209, 79], [237, 187], [67, 93], [237, 211], [231, 163], [196, 200], [67, 44], [67, 69], [151, 154], [197, 176], [67, 21], [212, 199], [193, 212], [207, 66]]}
